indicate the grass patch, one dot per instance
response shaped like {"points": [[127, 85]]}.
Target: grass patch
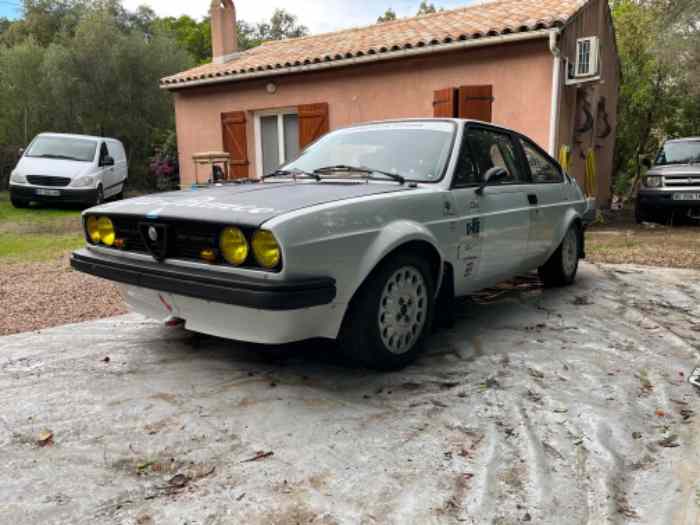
{"points": [[37, 233]]}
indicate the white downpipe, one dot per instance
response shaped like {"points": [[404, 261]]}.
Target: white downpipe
{"points": [[556, 93]]}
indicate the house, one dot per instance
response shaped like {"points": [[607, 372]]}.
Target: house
{"points": [[547, 68]]}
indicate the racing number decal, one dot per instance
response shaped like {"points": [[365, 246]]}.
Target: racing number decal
{"points": [[470, 247]]}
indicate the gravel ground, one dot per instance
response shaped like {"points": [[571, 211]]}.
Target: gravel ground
{"points": [[35, 296], [554, 407]]}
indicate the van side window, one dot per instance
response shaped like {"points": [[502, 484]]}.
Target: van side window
{"points": [[543, 171], [492, 148], [104, 152]]}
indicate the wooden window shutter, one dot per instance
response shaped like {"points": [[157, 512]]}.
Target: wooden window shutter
{"points": [[476, 102], [234, 131], [313, 123], [445, 103]]}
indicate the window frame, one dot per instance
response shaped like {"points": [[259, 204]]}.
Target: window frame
{"points": [[280, 113], [521, 163], [519, 137]]}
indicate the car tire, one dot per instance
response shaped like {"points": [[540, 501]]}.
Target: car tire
{"points": [[120, 196], [391, 315], [19, 203], [562, 266], [99, 197], [642, 215]]}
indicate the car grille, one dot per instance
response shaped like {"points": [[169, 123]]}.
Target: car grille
{"points": [[185, 240], [682, 181], [47, 180]]}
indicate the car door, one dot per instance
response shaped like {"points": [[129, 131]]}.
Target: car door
{"points": [[494, 225], [549, 202], [109, 178]]}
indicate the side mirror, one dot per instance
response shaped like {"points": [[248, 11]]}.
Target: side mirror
{"points": [[646, 162], [493, 176], [107, 161], [20, 152]]}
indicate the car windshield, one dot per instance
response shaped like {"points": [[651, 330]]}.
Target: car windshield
{"points": [[63, 148], [679, 152], [416, 151]]}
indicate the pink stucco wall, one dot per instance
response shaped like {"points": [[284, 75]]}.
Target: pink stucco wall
{"points": [[521, 75]]}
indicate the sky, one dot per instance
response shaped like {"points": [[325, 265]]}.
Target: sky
{"points": [[319, 16]]}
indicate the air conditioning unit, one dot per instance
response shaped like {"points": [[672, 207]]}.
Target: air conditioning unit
{"points": [[587, 53]]}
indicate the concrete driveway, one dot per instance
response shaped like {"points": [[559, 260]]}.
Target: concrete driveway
{"points": [[564, 406]]}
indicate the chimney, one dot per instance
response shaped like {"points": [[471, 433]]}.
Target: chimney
{"points": [[224, 36]]}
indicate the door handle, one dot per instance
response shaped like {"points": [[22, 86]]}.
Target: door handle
{"points": [[532, 199]]}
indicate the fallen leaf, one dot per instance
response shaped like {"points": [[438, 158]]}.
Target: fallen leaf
{"points": [[179, 481], [535, 373], [670, 442], [106, 360], [45, 438], [661, 413]]}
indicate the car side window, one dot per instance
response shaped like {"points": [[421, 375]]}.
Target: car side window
{"points": [[466, 173], [543, 171], [494, 149]]}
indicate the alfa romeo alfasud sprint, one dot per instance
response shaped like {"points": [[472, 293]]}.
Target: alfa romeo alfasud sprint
{"points": [[365, 238]]}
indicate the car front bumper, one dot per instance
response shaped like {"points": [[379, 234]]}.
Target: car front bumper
{"points": [[213, 286], [664, 200], [65, 195]]}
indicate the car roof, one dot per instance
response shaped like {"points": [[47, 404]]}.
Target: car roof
{"points": [[436, 119], [75, 136], [686, 139]]}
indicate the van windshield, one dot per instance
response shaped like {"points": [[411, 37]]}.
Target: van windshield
{"points": [[64, 148]]}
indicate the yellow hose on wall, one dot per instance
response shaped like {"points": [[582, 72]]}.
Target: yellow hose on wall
{"points": [[565, 158], [591, 183]]}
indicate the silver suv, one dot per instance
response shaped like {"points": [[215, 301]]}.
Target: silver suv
{"points": [[672, 184]]}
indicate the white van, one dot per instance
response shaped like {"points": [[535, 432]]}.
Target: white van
{"points": [[64, 168]]}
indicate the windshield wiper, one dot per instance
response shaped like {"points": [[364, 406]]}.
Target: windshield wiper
{"points": [[342, 168], [60, 157], [293, 173]]}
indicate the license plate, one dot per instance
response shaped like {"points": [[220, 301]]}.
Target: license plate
{"points": [[48, 193], [686, 196]]}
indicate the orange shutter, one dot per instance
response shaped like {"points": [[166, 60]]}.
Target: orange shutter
{"points": [[313, 123], [445, 103], [236, 142], [476, 102]]}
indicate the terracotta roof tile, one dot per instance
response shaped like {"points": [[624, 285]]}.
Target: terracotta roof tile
{"points": [[473, 22]]}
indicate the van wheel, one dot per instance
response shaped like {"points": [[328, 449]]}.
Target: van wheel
{"points": [[391, 315], [19, 203], [99, 196], [562, 266], [120, 196]]}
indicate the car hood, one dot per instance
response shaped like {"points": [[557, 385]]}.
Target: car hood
{"points": [[675, 169], [244, 204], [53, 167]]}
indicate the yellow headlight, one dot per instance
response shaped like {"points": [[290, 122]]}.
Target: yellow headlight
{"points": [[93, 230], [234, 246], [266, 250], [106, 231]]}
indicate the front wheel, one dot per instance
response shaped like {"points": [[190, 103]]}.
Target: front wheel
{"points": [[19, 203], [390, 317], [562, 266]]}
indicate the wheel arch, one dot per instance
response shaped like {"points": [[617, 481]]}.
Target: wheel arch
{"points": [[400, 237]]}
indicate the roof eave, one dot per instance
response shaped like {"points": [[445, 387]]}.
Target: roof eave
{"points": [[364, 59]]}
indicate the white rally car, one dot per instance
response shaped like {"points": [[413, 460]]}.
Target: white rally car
{"points": [[365, 238]]}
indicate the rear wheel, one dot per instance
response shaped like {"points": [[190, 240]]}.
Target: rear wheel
{"points": [[562, 266], [390, 317]]}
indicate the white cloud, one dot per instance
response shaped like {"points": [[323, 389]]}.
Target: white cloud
{"points": [[318, 15]]}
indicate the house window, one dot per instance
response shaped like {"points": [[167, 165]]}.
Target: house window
{"points": [[586, 57], [277, 139]]}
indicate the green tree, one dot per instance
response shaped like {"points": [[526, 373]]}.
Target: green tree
{"points": [[388, 16], [426, 9], [282, 25]]}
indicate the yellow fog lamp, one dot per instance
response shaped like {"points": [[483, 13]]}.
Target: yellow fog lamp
{"points": [[208, 255], [93, 230], [233, 245], [267, 251], [106, 231]]}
